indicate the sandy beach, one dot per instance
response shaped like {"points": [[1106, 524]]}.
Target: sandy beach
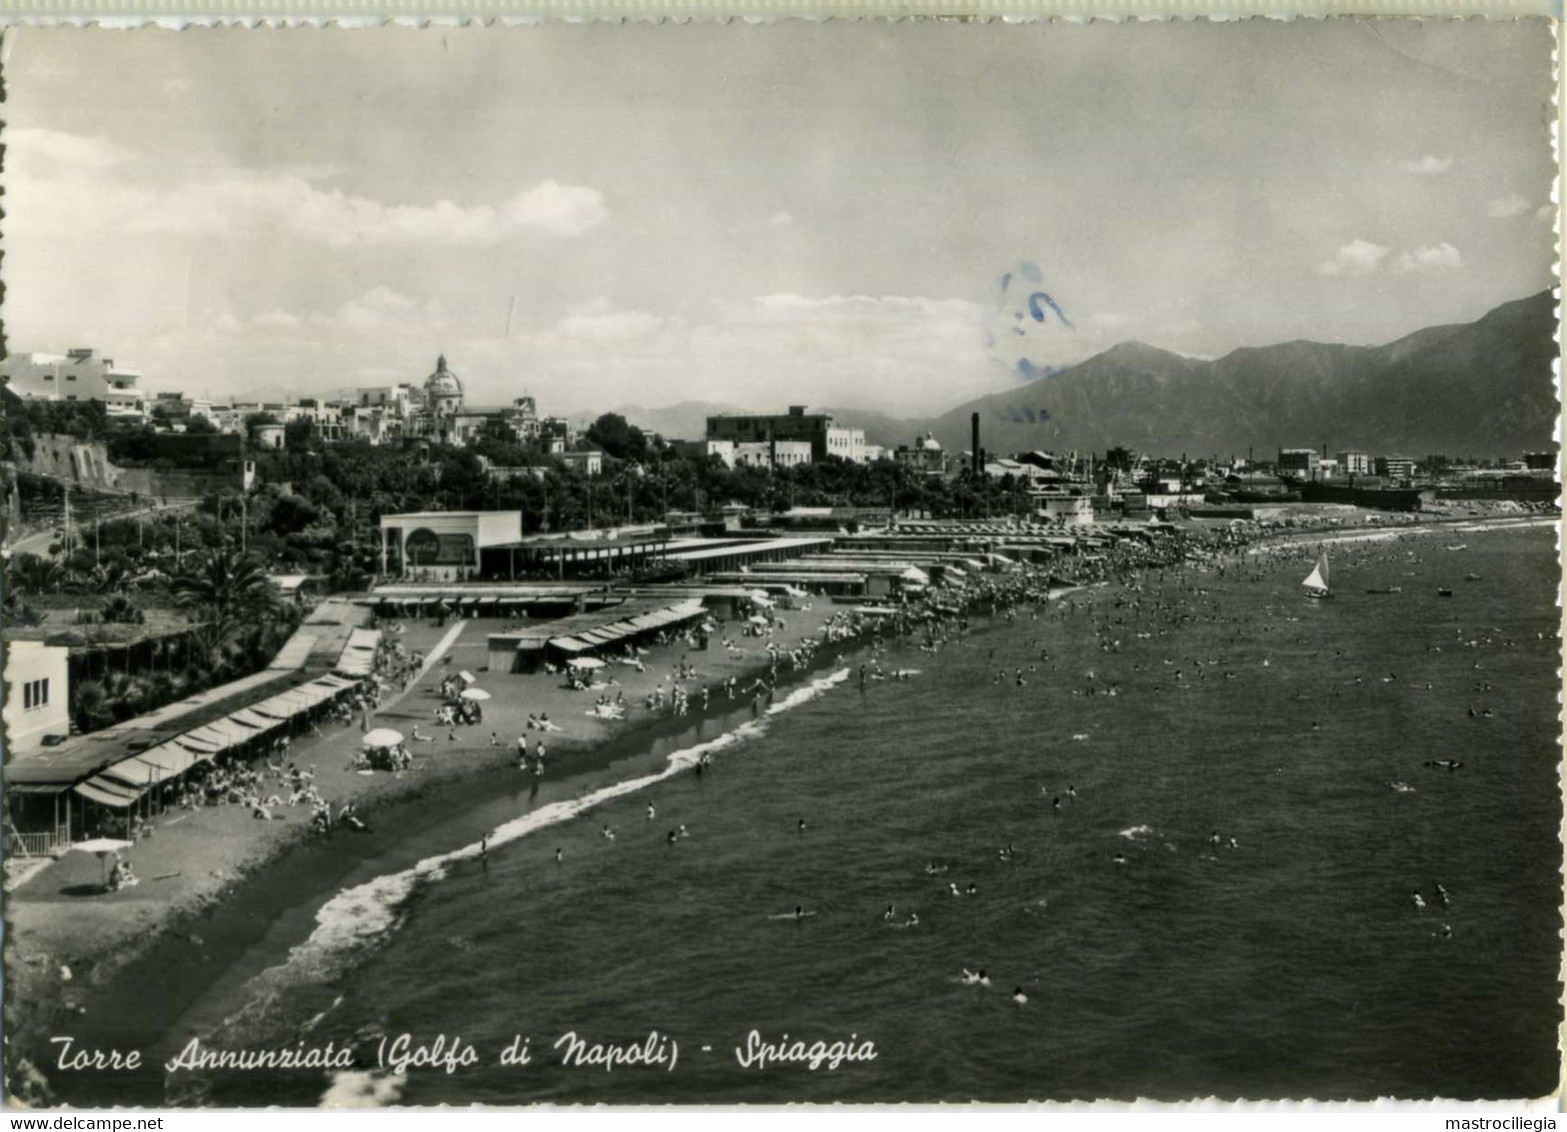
{"points": [[66, 936]]}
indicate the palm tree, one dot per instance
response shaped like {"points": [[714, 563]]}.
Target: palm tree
{"points": [[111, 577], [227, 589], [34, 574]]}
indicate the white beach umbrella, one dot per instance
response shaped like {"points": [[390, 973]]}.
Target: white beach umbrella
{"points": [[466, 677], [103, 848], [585, 662], [383, 737], [475, 694]]}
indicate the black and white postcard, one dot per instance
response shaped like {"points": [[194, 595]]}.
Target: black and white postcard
{"points": [[921, 561]]}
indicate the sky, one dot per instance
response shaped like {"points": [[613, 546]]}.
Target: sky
{"points": [[891, 216]]}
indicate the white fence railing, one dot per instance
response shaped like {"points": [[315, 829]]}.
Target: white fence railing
{"points": [[34, 844]]}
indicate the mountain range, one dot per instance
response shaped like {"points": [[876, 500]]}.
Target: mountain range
{"points": [[1483, 388]]}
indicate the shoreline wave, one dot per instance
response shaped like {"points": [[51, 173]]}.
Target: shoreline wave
{"points": [[359, 918]]}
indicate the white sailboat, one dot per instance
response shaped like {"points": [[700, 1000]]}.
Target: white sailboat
{"points": [[1316, 582]]}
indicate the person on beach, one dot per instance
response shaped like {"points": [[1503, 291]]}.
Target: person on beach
{"points": [[558, 852]]}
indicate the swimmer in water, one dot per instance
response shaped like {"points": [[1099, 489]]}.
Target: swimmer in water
{"points": [[970, 977], [799, 912], [972, 890], [984, 979], [1443, 897], [1018, 996], [1119, 858], [557, 856], [1420, 901], [651, 812], [801, 826], [607, 833], [912, 921], [672, 836], [683, 831]]}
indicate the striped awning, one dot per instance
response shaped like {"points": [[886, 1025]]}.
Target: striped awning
{"points": [[107, 792], [211, 737], [570, 644], [251, 719], [236, 732], [172, 758], [150, 768]]}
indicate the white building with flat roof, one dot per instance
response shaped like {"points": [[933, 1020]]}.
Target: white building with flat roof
{"points": [[77, 375], [37, 695], [846, 443], [443, 546], [775, 453]]}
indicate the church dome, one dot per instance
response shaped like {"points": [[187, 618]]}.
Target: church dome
{"points": [[442, 388], [930, 443]]}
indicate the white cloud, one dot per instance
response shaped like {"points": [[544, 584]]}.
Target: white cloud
{"points": [[1109, 321], [278, 318], [1358, 257], [55, 181], [781, 219], [1427, 166], [54, 155], [1504, 207], [599, 320], [379, 306], [1433, 255]]}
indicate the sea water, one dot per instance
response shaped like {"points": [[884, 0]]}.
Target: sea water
{"points": [[1217, 797]]}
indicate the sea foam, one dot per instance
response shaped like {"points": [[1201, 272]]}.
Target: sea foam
{"points": [[363, 915]]}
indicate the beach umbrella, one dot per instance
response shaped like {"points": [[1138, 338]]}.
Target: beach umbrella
{"points": [[383, 737], [103, 848], [475, 694], [466, 677], [585, 662], [758, 619]]}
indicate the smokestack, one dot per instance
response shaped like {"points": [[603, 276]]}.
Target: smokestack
{"points": [[977, 458]]}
